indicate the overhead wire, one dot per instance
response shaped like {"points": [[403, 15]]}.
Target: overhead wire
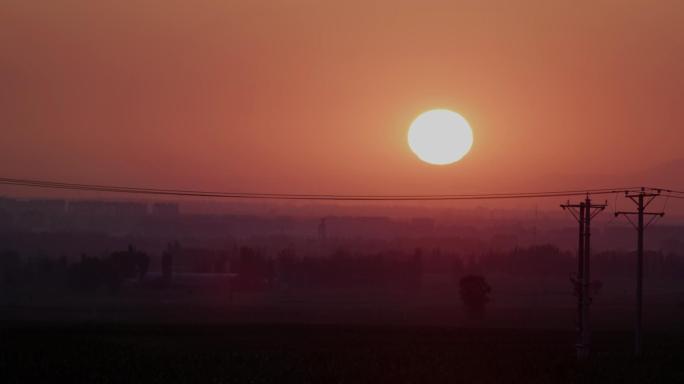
{"points": [[282, 196], [63, 185], [669, 196], [668, 190]]}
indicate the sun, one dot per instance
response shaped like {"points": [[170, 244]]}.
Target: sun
{"points": [[440, 137]]}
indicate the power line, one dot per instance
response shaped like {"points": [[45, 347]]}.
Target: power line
{"points": [[673, 196], [28, 182], [666, 190], [282, 196]]}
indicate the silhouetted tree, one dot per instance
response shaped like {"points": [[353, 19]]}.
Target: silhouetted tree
{"points": [[252, 270], [474, 291], [87, 275], [143, 265], [167, 261], [416, 269], [123, 265], [457, 267], [221, 263], [270, 273], [288, 268], [10, 268]]}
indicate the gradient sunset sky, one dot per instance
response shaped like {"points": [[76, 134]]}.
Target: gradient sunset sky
{"points": [[317, 96]]}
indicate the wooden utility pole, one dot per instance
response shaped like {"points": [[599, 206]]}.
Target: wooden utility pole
{"points": [[583, 212], [642, 199]]}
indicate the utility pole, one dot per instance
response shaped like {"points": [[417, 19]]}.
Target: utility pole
{"points": [[642, 199], [583, 213]]}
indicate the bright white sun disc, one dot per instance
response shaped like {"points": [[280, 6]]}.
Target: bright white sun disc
{"points": [[440, 136]]}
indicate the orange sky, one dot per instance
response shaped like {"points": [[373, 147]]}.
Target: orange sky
{"points": [[317, 96]]}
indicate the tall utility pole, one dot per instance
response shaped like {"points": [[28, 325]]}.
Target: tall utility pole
{"points": [[642, 199], [583, 212]]}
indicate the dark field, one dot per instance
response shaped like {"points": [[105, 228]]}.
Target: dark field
{"points": [[326, 353]]}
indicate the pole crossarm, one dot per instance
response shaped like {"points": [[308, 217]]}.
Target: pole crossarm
{"points": [[635, 197], [597, 208], [572, 208], [653, 215]]}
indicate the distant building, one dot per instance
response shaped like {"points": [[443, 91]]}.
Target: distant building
{"points": [[107, 208], [165, 209], [322, 231], [38, 215], [199, 260], [362, 227], [44, 206], [422, 225]]}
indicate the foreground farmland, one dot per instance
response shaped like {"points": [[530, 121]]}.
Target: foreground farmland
{"points": [[324, 353]]}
